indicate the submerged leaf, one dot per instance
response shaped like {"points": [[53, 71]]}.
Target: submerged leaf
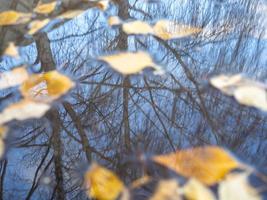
{"points": [[166, 30], [195, 190], [102, 184], [166, 190], [25, 109], [245, 91], [46, 87], [37, 25], [207, 164], [130, 62], [45, 8], [11, 50], [11, 17], [13, 78], [236, 187]]}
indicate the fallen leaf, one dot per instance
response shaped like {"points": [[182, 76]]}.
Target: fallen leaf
{"points": [[102, 184], [166, 190], [195, 190], [137, 27], [45, 87], [236, 187], [166, 30], [45, 8], [11, 17], [245, 91], [13, 78], [37, 25], [25, 109], [130, 62], [11, 50], [207, 164]]}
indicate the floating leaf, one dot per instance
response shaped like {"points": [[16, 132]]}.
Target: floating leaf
{"points": [[130, 62], [70, 14], [22, 110], [236, 187], [114, 21], [170, 30], [45, 8], [11, 50], [207, 164], [137, 27], [195, 190], [11, 17], [166, 190], [37, 25], [13, 78], [102, 184], [46, 87], [245, 91]]}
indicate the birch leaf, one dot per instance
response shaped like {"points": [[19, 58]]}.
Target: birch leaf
{"points": [[102, 184], [137, 27], [236, 187], [207, 164], [11, 50], [166, 190], [130, 62], [46, 87], [37, 25], [23, 110], [195, 190], [170, 30], [13, 78], [11, 17], [45, 8]]}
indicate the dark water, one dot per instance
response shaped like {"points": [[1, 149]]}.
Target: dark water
{"points": [[112, 118]]}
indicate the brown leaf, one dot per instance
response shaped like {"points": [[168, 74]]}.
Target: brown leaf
{"points": [[46, 87], [207, 164]]}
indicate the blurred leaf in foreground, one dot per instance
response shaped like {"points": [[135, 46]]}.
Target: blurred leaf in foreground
{"points": [[237, 187], [3, 132], [102, 184], [46, 87], [166, 190], [37, 25], [11, 50], [207, 164], [70, 14], [11, 17], [245, 91], [25, 109], [130, 62], [195, 190], [45, 8], [13, 78]]}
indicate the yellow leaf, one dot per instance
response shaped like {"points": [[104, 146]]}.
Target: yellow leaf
{"points": [[2, 147], [102, 184], [46, 87], [141, 181], [236, 187], [22, 110], [37, 25], [170, 30], [103, 5], [3, 132], [130, 62], [195, 190], [114, 21], [11, 50], [45, 8], [11, 17], [207, 164], [13, 78], [70, 14], [166, 190], [137, 27]]}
